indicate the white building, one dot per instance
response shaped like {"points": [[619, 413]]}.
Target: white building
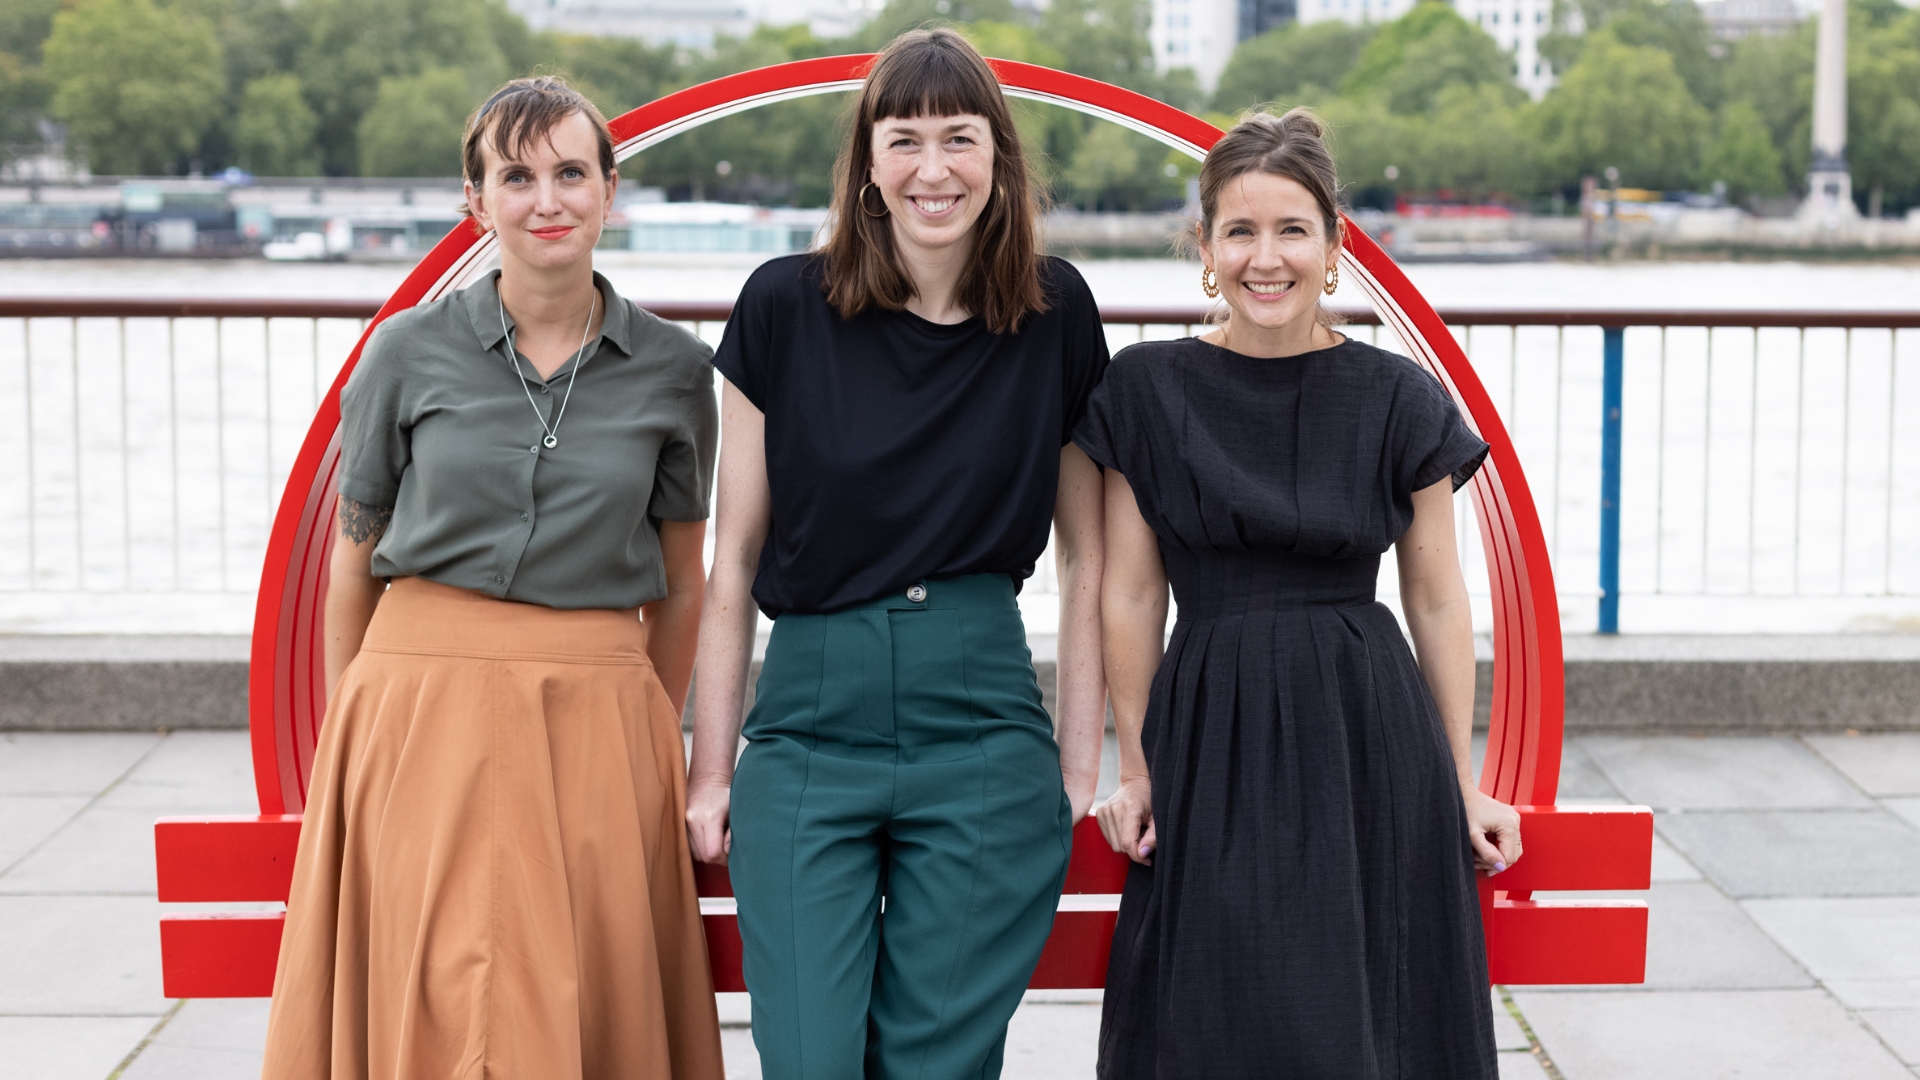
{"points": [[692, 23], [1197, 34], [1353, 11], [1518, 26]]}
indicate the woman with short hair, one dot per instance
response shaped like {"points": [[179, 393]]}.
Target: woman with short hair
{"points": [[897, 412], [493, 878], [1295, 790]]}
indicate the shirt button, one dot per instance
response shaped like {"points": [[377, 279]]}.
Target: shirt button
{"points": [[534, 449], [499, 579], [543, 389], [917, 594], [523, 515]]}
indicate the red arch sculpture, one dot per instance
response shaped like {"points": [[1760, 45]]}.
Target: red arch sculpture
{"points": [[1604, 848]]}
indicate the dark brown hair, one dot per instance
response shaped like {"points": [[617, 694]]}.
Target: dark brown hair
{"points": [[519, 113], [1293, 145], [934, 73]]}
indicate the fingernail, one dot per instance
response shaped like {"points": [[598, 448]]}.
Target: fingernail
{"points": [[1499, 866]]}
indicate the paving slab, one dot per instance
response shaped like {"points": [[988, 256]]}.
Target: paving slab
{"points": [[67, 1047], [100, 852], [1698, 939], [80, 956], [211, 1039], [191, 772], [1908, 809], [1670, 865], [1580, 779], [1800, 853], [1745, 773], [1881, 764], [26, 820], [63, 763], [1705, 1035], [1899, 1029], [1875, 993], [1857, 939], [1507, 1034], [1520, 1065]]}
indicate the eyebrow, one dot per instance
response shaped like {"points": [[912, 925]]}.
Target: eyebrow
{"points": [[570, 163], [899, 125]]}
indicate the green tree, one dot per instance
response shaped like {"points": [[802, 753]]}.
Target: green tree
{"points": [[136, 84], [274, 132], [1475, 142], [1105, 40], [1883, 110], [1279, 64], [415, 125], [1774, 75], [1428, 48], [1623, 106], [1367, 140], [1672, 26], [617, 74], [351, 47], [1742, 155]]}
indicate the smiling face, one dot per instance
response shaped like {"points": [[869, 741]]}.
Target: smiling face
{"points": [[549, 204], [935, 174], [1270, 252]]}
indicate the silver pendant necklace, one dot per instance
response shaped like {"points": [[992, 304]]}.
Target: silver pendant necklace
{"points": [[513, 357]]}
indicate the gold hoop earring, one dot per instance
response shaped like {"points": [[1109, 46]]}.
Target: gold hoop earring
{"points": [[862, 200], [1333, 279], [1207, 283]]}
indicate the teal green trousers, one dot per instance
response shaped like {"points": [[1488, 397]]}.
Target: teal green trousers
{"points": [[896, 752]]}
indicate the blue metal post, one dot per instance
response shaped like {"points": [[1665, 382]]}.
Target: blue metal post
{"points": [[1613, 374]]}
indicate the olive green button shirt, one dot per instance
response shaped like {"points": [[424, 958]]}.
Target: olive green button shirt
{"points": [[436, 425]]}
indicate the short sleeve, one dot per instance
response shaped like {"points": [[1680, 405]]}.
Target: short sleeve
{"points": [[746, 346], [1085, 341], [1431, 438], [376, 444], [683, 475], [1095, 433]]}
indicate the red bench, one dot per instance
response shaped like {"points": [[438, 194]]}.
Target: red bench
{"points": [[248, 859]]}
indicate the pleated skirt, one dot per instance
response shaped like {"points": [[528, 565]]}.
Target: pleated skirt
{"points": [[493, 877]]}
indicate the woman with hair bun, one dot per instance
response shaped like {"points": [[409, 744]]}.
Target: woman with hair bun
{"points": [[492, 878], [1295, 790], [898, 412]]}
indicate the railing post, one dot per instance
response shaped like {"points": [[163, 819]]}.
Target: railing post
{"points": [[1613, 375]]}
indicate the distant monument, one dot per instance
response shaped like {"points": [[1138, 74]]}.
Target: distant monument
{"points": [[1829, 185]]}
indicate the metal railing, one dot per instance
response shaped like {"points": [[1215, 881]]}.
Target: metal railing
{"points": [[1733, 470]]}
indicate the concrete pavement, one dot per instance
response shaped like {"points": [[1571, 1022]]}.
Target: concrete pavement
{"points": [[1784, 939]]}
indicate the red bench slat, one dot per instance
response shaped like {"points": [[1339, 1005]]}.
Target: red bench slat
{"points": [[218, 956], [1567, 941], [225, 859], [1582, 848]]}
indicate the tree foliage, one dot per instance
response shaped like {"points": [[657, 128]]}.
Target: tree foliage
{"points": [[1292, 61], [416, 123], [1623, 106], [136, 84], [1742, 155], [274, 131]]}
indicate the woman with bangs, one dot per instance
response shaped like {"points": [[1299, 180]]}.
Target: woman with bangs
{"points": [[897, 412], [492, 878]]}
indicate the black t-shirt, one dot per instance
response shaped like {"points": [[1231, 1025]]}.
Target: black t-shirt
{"points": [[900, 449]]}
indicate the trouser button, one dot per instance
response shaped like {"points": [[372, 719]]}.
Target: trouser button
{"points": [[917, 594]]}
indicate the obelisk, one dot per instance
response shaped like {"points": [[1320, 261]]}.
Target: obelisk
{"points": [[1829, 186]]}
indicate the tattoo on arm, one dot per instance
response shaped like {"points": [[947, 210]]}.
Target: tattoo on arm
{"points": [[361, 523]]}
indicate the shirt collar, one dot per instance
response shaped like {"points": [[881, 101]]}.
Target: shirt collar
{"points": [[482, 300]]}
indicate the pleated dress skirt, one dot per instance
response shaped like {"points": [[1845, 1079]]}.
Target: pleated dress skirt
{"points": [[493, 877]]}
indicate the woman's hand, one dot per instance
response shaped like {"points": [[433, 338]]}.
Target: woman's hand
{"points": [[1494, 829], [707, 832], [1126, 820]]}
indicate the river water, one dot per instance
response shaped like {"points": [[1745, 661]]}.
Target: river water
{"points": [[1771, 482]]}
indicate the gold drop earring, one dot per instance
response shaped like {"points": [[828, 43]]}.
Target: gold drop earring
{"points": [[1207, 284], [1333, 279]]}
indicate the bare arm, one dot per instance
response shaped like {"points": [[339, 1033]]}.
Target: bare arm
{"points": [[1434, 597], [1079, 555], [673, 621], [742, 517], [352, 590], [1133, 609]]}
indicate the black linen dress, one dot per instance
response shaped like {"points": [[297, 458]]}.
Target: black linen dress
{"points": [[1311, 911]]}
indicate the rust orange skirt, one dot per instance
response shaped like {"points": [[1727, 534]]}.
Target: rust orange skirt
{"points": [[493, 877]]}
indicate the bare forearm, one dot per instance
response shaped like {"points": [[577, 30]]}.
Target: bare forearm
{"points": [[673, 634], [1135, 630], [351, 598], [1443, 643], [1081, 692], [726, 650]]}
